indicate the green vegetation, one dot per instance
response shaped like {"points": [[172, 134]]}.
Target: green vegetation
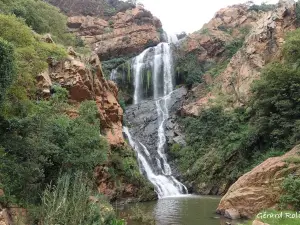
{"points": [[7, 67], [291, 197], [263, 7], [223, 144], [47, 158], [67, 203], [124, 169], [43, 144], [41, 17], [232, 47], [189, 70]]}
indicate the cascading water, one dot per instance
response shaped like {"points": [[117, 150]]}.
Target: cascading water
{"points": [[155, 166]]}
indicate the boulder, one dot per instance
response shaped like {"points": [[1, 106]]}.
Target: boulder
{"points": [[232, 214], [260, 188]]}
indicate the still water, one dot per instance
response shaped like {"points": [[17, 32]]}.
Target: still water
{"points": [[185, 210]]}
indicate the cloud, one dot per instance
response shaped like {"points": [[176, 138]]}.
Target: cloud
{"points": [[188, 15]]}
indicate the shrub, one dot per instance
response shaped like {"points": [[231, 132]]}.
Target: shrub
{"points": [[7, 67], [232, 47], [263, 7], [42, 18], [68, 202], [291, 196], [41, 145], [30, 59]]}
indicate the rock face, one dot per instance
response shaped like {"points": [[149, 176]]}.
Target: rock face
{"points": [[84, 83], [125, 34], [262, 45], [228, 24], [260, 188], [113, 28], [142, 118]]}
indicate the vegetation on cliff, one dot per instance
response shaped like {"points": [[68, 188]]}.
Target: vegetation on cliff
{"points": [[44, 151], [239, 139]]}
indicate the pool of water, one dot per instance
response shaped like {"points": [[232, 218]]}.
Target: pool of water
{"points": [[185, 210]]}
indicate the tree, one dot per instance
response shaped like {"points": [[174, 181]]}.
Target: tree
{"points": [[7, 67]]}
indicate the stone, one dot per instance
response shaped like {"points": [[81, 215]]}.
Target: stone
{"points": [[260, 188], [232, 214]]}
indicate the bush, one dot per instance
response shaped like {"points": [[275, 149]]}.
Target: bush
{"points": [[42, 18], [30, 59], [233, 47], [291, 196], [40, 146], [189, 70], [68, 203], [263, 7], [7, 67]]}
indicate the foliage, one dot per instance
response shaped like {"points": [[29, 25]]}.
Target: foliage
{"points": [[232, 47], [297, 10], [291, 50], [276, 105], [122, 102], [213, 139], [291, 196], [40, 146], [218, 68], [222, 144], [189, 69], [263, 7], [68, 203], [30, 58], [41, 17], [7, 67], [125, 167]]}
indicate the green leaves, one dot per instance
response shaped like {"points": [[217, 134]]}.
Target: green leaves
{"points": [[40, 146], [291, 196], [7, 67]]}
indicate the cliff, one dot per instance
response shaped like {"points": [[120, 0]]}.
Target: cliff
{"points": [[114, 29], [84, 80], [264, 36]]}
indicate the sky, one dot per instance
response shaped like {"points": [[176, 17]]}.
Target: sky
{"points": [[188, 15]]}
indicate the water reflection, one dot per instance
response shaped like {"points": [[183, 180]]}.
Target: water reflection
{"points": [[186, 210]]}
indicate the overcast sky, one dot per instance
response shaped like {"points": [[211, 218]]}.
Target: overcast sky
{"points": [[188, 15]]}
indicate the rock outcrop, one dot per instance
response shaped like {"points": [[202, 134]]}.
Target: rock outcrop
{"points": [[87, 83], [113, 28], [125, 34], [261, 46], [260, 188]]}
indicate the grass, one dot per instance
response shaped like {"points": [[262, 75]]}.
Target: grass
{"points": [[274, 217]]}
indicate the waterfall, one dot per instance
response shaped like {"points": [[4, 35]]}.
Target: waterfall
{"points": [[158, 60]]}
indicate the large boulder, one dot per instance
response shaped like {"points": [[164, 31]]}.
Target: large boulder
{"points": [[260, 188]]}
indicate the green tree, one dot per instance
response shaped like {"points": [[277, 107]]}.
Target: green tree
{"points": [[7, 67], [40, 146]]}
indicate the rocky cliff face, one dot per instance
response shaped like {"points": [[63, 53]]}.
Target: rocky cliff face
{"points": [[113, 29], [265, 36], [84, 80], [262, 46], [125, 34], [260, 188]]}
